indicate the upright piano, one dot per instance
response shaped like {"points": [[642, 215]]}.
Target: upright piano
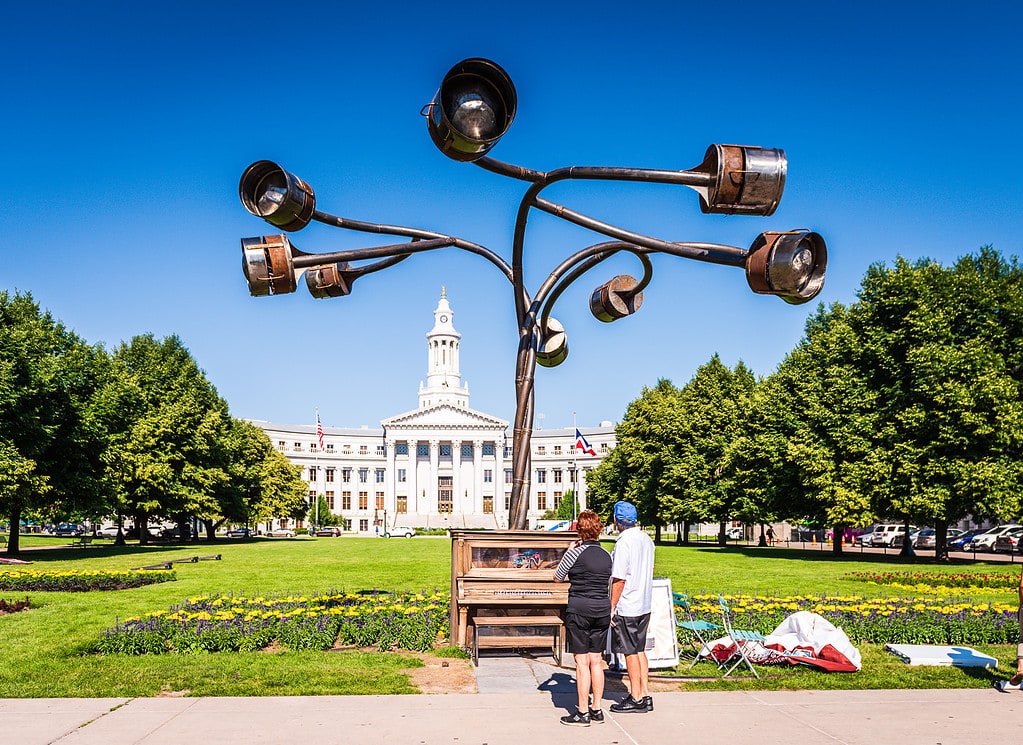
{"points": [[503, 592]]}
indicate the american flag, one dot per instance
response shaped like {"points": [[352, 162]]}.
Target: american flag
{"points": [[319, 430], [581, 444]]}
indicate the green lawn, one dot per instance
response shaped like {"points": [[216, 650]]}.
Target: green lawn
{"points": [[42, 647]]}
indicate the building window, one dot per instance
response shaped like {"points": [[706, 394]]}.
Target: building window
{"points": [[312, 447], [346, 500], [401, 448], [363, 449], [364, 500], [280, 445], [401, 475], [445, 494], [402, 505], [571, 475], [312, 496], [557, 475], [603, 447], [557, 449], [330, 500], [466, 451], [380, 475], [364, 526], [380, 500], [557, 499], [488, 505], [423, 451], [541, 476], [346, 475], [380, 451], [297, 447], [541, 501], [363, 475], [488, 476], [541, 450], [330, 447], [330, 475], [445, 451], [507, 453], [507, 502], [347, 450], [488, 448], [507, 475]]}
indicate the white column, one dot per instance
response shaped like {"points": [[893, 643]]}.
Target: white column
{"points": [[431, 487], [410, 475], [457, 504], [477, 474]]}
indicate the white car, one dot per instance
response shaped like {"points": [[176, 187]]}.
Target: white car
{"points": [[400, 532], [281, 533], [986, 541], [108, 532]]}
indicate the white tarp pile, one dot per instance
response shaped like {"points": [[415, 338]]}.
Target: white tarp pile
{"points": [[804, 638]]}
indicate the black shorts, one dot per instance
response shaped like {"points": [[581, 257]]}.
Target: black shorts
{"points": [[585, 634], [628, 635]]}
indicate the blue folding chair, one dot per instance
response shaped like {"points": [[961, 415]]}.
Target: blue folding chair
{"points": [[739, 638], [696, 629]]}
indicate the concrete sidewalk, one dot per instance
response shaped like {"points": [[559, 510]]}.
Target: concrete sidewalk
{"points": [[946, 717]]}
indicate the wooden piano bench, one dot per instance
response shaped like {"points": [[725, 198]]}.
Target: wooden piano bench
{"points": [[554, 621]]}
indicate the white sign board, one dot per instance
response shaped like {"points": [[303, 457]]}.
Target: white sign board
{"points": [[661, 637]]}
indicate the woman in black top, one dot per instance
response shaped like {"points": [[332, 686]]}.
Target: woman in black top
{"points": [[588, 567]]}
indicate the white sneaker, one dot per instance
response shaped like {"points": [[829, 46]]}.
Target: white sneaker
{"points": [[1007, 685]]}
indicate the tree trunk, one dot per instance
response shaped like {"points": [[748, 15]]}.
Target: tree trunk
{"points": [[941, 541], [722, 536], [685, 532], [142, 524], [763, 536], [837, 534], [657, 533], [678, 534], [211, 530], [119, 541], [907, 545], [13, 537]]}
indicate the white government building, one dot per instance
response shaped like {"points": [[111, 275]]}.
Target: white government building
{"points": [[440, 465]]}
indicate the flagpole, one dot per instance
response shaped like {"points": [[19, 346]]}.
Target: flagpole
{"points": [[316, 461], [575, 473]]}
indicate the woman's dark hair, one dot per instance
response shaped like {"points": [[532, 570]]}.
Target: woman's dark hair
{"points": [[589, 525]]}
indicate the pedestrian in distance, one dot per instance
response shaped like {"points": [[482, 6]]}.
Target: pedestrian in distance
{"points": [[632, 577], [588, 567], [1016, 681]]}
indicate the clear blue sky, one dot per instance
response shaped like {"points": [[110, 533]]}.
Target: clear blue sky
{"points": [[127, 125]]}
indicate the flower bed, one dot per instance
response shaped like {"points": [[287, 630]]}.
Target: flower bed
{"points": [[80, 580], [878, 620], [411, 621], [13, 606], [940, 581]]}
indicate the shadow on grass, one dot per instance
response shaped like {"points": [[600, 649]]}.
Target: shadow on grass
{"points": [[47, 554], [826, 554]]}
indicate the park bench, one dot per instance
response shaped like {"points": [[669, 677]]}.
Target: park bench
{"points": [[170, 563], [82, 540]]}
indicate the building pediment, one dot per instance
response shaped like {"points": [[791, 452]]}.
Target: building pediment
{"points": [[444, 416]]}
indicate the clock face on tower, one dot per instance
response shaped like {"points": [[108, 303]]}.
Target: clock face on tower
{"points": [[443, 319]]}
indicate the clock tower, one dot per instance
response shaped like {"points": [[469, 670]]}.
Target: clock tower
{"points": [[443, 379]]}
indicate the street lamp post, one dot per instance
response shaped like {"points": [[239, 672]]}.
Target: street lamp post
{"points": [[472, 110]]}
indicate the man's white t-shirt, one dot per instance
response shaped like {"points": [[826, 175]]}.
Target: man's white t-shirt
{"points": [[633, 561]]}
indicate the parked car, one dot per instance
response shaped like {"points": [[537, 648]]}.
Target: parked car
{"points": [[281, 533], [885, 533], [108, 532], [865, 537], [239, 533], [401, 532], [734, 533], [68, 530], [927, 537], [986, 540], [329, 531], [959, 544], [1008, 542]]}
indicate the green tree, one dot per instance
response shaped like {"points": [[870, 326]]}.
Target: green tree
{"points": [[712, 409], [282, 492], [941, 347], [168, 429], [51, 437]]}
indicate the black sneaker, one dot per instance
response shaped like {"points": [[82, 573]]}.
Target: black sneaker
{"points": [[596, 715], [631, 706], [578, 720], [649, 702]]}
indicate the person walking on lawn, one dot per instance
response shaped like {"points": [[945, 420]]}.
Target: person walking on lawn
{"points": [[632, 576]]}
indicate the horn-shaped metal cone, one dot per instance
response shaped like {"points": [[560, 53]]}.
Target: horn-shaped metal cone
{"points": [[328, 280], [745, 180], [616, 299], [279, 197], [472, 110], [791, 265]]}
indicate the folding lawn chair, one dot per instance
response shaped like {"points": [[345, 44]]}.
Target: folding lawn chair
{"points": [[739, 638], [696, 630]]}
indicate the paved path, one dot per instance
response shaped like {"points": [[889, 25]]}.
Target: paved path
{"points": [[519, 702]]}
